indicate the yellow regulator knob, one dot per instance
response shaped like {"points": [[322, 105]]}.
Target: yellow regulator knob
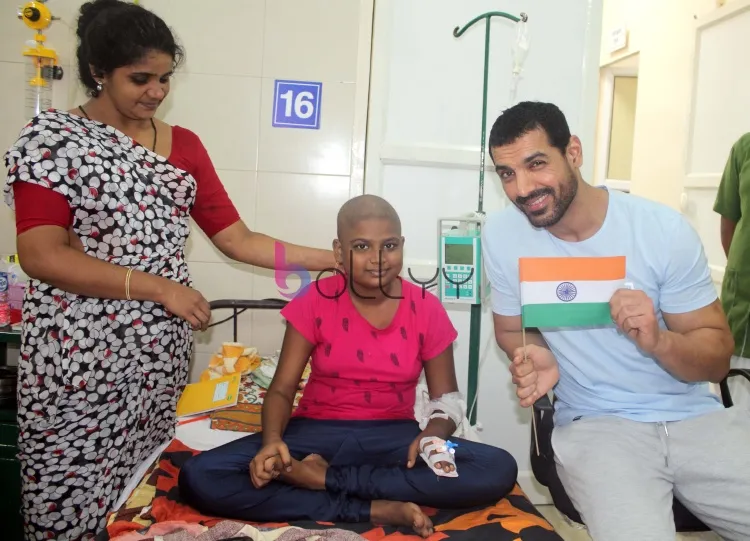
{"points": [[35, 15]]}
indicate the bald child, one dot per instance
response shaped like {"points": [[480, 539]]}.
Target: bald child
{"points": [[353, 451]]}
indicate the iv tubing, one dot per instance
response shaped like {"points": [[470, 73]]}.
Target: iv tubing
{"points": [[458, 32]]}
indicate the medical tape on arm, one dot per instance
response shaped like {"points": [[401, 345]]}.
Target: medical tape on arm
{"points": [[448, 406]]}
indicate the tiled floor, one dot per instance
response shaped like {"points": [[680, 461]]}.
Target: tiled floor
{"points": [[572, 533]]}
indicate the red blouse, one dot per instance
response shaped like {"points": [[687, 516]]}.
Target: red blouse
{"points": [[213, 211]]}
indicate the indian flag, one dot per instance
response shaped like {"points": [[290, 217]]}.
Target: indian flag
{"points": [[569, 291]]}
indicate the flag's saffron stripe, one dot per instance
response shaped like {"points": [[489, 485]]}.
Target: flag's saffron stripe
{"points": [[566, 315], [550, 269]]}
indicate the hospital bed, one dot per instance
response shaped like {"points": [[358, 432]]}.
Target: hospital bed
{"points": [[151, 504]]}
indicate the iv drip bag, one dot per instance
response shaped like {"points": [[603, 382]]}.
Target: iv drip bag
{"points": [[521, 46]]}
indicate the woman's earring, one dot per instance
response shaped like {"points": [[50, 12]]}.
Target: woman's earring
{"points": [[98, 86]]}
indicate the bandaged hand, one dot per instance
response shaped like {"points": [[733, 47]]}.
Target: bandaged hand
{"points": [[437, 428], [268, 464]]}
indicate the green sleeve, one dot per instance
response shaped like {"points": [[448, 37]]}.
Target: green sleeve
{"points": [[727, 201]]}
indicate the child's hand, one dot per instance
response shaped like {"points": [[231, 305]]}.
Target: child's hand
{"points": [[415, 449], [269, 462]]}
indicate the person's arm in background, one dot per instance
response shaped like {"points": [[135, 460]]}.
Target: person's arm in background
{"points": [[49, 253], [728, 203], [218, 218], [726, 229]]}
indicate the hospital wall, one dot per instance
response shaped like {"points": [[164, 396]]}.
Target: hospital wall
{"points": [[423, 143]]}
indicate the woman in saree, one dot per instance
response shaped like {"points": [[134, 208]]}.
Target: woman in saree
{"points": [[103, 195]]}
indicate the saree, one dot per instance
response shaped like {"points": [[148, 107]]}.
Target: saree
{"points": [[99, 379]]}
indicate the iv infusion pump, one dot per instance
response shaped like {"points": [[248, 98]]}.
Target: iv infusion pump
{"points": [[461, 276]]}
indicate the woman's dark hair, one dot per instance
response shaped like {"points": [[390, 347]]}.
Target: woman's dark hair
{"points": [[113, 34]]}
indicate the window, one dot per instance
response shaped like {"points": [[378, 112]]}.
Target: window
{"points": [[617, 111], [621, 130]]}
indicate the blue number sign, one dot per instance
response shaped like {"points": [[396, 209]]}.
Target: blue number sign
{"points": [[296, 104]]}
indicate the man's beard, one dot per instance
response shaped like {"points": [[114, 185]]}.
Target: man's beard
{"points": [[568, 191]]}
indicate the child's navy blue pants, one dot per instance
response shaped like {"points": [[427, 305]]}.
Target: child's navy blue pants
{"points": [[367, 462]]}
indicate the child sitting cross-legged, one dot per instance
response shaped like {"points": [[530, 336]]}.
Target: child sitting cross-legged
{"points": [[353, 451]]}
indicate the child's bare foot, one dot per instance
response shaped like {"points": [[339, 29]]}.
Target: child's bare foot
{"points": [[310, 473], [316, 461], [401, 514]]}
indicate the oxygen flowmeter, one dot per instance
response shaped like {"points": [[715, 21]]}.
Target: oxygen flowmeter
{"points": [[460, 276], [41, 66]]}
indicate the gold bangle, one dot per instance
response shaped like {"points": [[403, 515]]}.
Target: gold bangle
{"points": [[127, 284]]}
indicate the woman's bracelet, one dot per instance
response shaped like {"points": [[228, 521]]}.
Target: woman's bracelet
{"points": [[127, 284]]}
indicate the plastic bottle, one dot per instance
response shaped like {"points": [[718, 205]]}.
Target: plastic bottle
{"points": [[38, 83], [4, 300], [17, 283]]}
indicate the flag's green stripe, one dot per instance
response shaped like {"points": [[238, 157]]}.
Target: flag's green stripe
{"points": [[582, 314]]}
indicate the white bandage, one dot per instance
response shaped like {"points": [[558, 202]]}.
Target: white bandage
{"points": [[448, 406], [434, 450]]}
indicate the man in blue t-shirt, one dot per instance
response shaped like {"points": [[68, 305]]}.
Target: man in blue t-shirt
{"points": [[635, 420]]}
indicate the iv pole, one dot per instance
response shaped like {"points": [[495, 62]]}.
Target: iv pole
{"points": [[476, 309]]}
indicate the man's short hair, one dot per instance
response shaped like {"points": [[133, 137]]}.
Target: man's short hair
{"points": [[528, 116]]}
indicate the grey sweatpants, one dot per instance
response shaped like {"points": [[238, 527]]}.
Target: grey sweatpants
{"points": [[621, 475]]}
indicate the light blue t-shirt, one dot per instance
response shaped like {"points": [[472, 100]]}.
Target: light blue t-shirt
{"points": [[602, 371]]}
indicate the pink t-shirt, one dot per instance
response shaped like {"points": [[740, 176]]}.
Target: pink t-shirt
{"points": [[359, 372]]}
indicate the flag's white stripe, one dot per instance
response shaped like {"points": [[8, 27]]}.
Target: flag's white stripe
{"points": [[585, 291]]}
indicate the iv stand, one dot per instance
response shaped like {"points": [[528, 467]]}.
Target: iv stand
{"points": [[476, 309]]}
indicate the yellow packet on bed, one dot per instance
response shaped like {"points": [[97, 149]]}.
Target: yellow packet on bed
{"points": [[209, 395]]}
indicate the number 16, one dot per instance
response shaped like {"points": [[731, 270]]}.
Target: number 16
{"points": [[303, 107]]}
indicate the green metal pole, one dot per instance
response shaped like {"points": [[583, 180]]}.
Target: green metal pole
{"points": [[482, 152], [475, 326], [458, 32], [475, 330]]}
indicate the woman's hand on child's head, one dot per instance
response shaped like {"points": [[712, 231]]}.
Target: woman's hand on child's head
{"points": [[269, 463]]}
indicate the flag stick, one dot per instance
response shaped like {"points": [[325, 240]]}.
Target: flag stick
{"points": [[533, 417]]}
